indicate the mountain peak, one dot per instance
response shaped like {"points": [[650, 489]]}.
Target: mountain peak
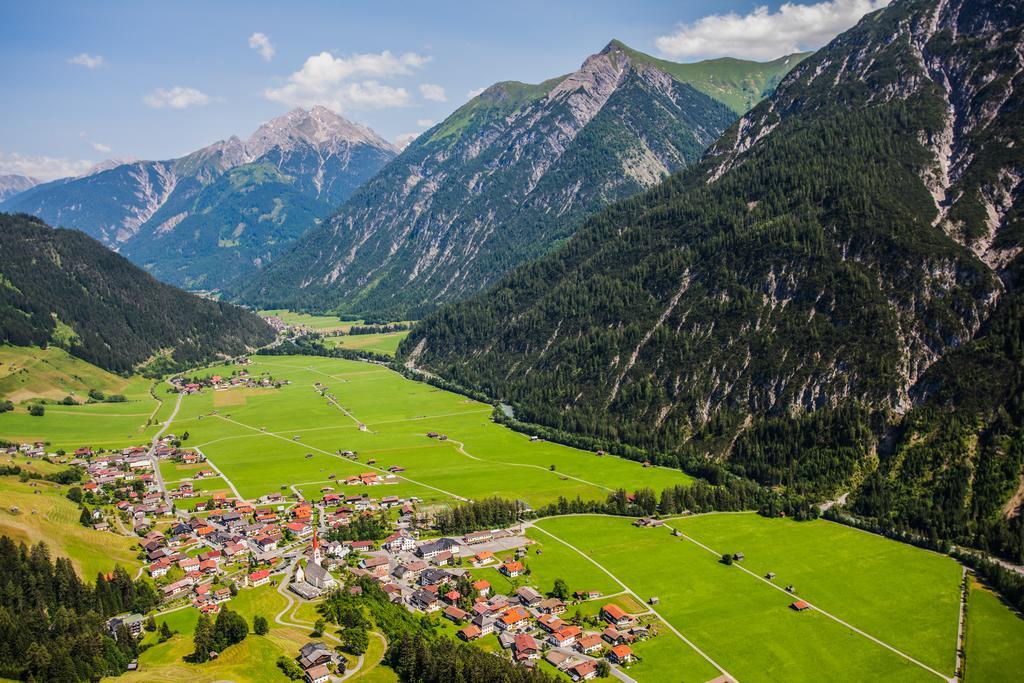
{"points": [[318, 126]]}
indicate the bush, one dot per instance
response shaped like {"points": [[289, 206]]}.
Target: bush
{"points": [[289, 668], [36, 410]]}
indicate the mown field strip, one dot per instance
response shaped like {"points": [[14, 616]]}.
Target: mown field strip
{"points": [[818, 609], [335, 455], [462, 449], [637, 597]]}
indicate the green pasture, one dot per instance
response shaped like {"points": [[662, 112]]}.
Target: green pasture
{"points": [[746, 625], [905, 596], [995, 639], [40, 511], [386, 343], [255, 444]]}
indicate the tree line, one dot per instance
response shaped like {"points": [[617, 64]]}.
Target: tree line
{"points": [[53, 625]]}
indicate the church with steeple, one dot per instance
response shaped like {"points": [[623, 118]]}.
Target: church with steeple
{"points": [[314, 580]]}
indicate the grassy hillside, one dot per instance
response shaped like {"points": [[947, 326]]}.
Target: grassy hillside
{"points": [[29, 372], [43, 513], [737, 83]]}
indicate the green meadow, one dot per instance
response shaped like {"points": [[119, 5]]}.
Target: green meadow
{"points": [[386, 343], [40, 511], [292, 436], [311, 321], [747, 627], [995, 639]]}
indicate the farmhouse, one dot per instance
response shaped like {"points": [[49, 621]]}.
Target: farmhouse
{"points": [[589, 644], [614, 614], [259, 577], [471, 632], [512, 569], [583, 671], [516, 619], [525, 647], [621, 654], [566, 636]]}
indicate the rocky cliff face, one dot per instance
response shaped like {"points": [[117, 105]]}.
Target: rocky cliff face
{"points": [[502, 180], [184, 217], [839, 240]]}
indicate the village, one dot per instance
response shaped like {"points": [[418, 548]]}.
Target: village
{"points": [[201, 555]]}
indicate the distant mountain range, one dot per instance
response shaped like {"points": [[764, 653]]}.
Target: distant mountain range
{"points": [[507, 177], [830, 302], [11, 185], [62, 287], [223, 211]]}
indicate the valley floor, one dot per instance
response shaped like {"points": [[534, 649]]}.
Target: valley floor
{"points": [[878, 609]]}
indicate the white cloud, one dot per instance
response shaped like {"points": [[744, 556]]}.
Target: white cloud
{"points": [[424, 123], [342, 83], [259, 42], [763, 34], [98, 146], [403, 140], [473, 93], [176, 98], [42, 167], [87, 60], [433, 92]]}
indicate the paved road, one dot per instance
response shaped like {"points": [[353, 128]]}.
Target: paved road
{"points": [[152, 449], [219, 473]]}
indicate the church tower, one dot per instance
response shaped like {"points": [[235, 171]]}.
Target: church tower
{"points": [[316, 549]]}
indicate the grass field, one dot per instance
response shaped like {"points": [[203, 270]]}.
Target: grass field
{"points": [[28, 372], [386, 343], [254, 446], [45, 514], [746, 626], [995, 639], [323, 323]]}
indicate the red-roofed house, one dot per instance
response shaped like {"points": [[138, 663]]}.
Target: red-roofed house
{"points": [[525, 647], [512, 569], [621, 654], [614, 614], [260, 577]]}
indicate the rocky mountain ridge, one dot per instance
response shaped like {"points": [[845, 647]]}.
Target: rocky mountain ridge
{"points": [[12, 184], [165, 216], [502, 180]]}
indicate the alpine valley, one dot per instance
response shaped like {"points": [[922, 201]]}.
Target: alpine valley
{"points": [[222, 211], [648, 372]]}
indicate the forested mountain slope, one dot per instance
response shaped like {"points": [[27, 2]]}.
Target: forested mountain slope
{"points": [[829, 298], [222, 211], [62, 287], [508, 176]]}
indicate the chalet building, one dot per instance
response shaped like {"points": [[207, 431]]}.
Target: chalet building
{"points": [[616, 616]]}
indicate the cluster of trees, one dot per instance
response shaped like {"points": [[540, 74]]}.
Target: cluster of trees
{"points": [[379, 329], [53, 625], [361, 529], [216, 636], [312, 346], [487, 513], [66, 288], [734, 494]]}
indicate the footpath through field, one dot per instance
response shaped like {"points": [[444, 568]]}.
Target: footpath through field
{"points": [[640, 600], [533, 524], [335, 455]]}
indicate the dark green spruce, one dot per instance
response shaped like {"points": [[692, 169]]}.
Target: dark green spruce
{"points": [[62, 287]]}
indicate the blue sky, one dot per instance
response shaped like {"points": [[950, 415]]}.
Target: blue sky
{"points": [[90, 81]]}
